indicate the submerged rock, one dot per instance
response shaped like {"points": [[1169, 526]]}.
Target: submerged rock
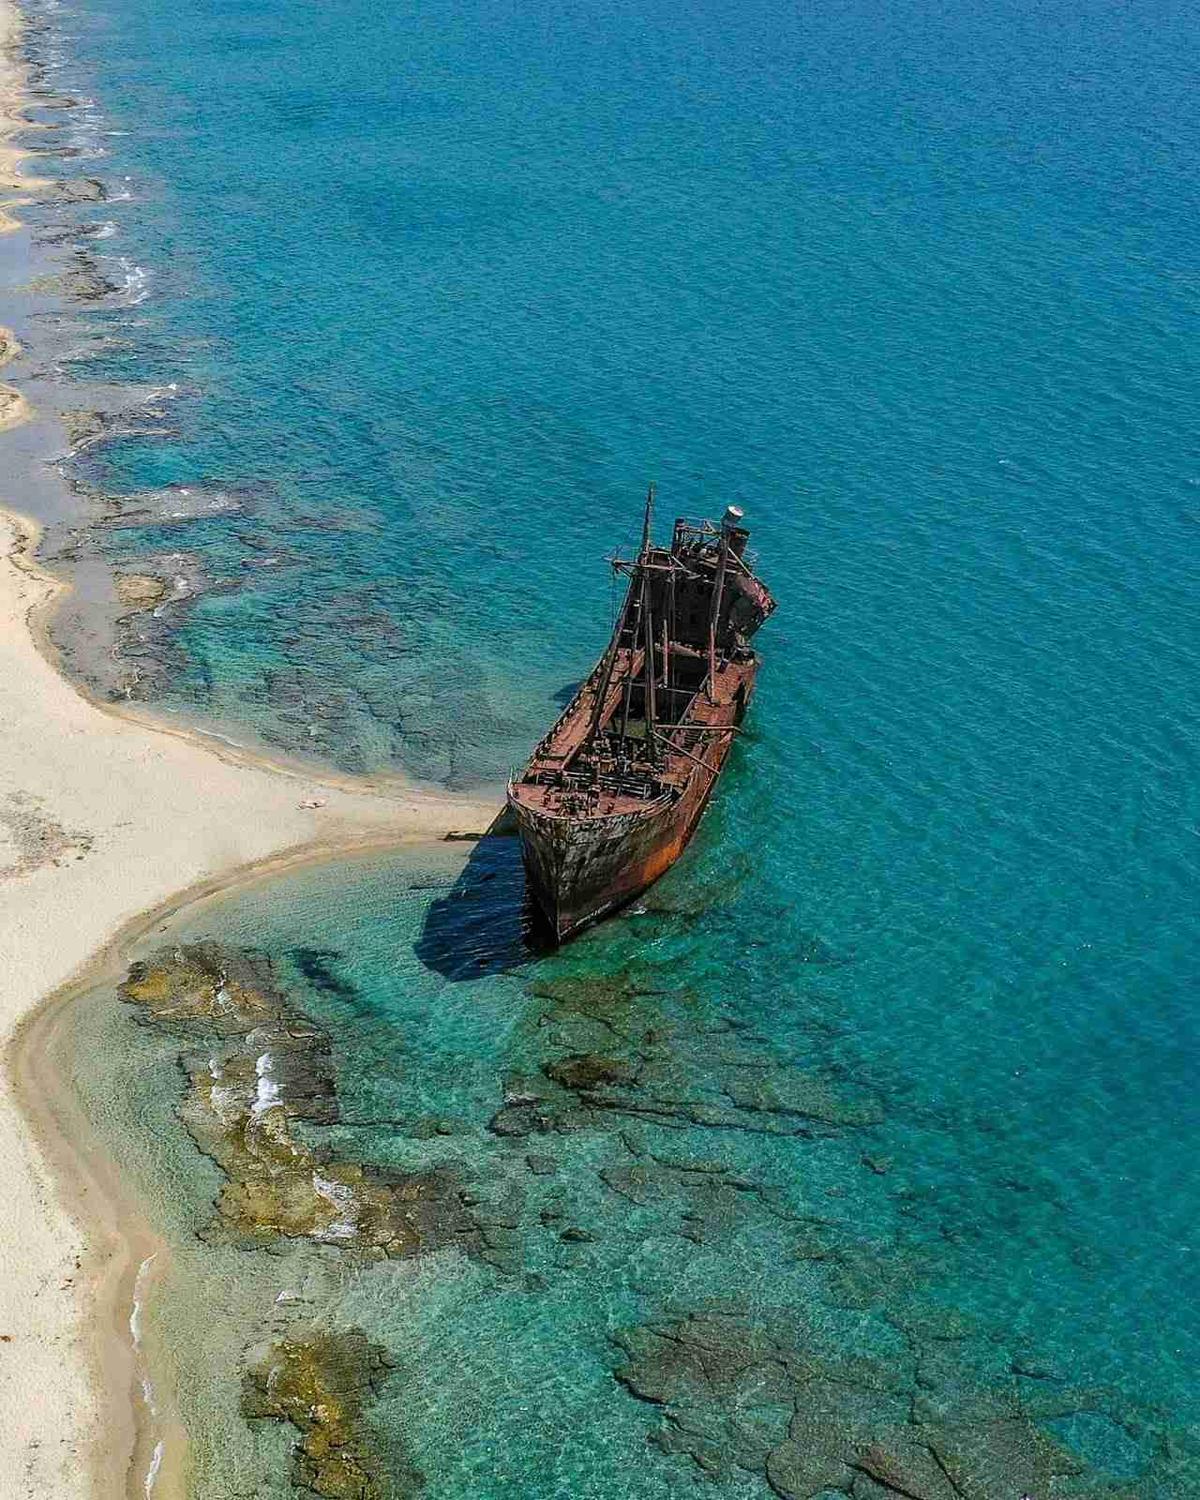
{"points": [[79, 284], [279, 1185], [789, 1091], [517, 1120], [139, 589], [264, 1069], [585, 1072], [75, 190], [200, 982], [172, 505], [322, 1384], [736, 1393]]}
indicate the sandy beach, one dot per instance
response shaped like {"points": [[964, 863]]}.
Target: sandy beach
{"points": [[104, 818]]}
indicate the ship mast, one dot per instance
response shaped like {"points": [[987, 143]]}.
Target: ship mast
{"points": [[606, 681], [643, 612], [715, 612], [648, 712], [647, 521], [615, 644]]}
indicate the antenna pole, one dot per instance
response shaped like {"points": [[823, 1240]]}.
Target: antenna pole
{"points": [[715, 614], [642, 611], [649, 711]]}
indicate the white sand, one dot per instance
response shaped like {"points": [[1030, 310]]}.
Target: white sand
{"points": [[101, 818]]}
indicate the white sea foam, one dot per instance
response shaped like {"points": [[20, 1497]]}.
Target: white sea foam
{"points": [[135, 1314], [343, 1199], [135, 284], [267, 1094], [155, 1465], [135, 1333], [227, 1102]]}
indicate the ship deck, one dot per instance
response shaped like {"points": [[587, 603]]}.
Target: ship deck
{"points": [[566, 738], [565, 779], [562, 802]]}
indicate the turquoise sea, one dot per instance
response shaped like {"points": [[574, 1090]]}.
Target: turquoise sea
{"points": [[896, 1072]]}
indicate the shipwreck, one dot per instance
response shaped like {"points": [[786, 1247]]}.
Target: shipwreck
{"points": [[614, 791]]}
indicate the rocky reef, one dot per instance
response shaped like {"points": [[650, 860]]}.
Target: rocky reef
{"points": [[263, 1072], [645, 1066], [610, 1063], [323, 1382], [650, 1138], [862, 1384], [947, 1415]]}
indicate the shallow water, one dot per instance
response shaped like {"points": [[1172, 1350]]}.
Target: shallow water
{"points": [[764, 1158], [917, 289]]}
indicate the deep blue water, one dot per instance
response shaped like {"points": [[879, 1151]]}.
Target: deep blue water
{"points": [[915, 285]]}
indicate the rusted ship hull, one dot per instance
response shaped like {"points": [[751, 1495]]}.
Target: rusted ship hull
{"points": [[615, 789], [582, 869]]}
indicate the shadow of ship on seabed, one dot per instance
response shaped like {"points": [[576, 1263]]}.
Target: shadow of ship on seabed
{"points": [[487, 922]]}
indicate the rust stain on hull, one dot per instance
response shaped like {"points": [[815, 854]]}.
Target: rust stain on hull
{"points": [[613, 793]]}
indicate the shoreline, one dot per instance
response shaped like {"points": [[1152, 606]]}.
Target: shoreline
{"points": [[110, 819], [113, 822], [26, 534], [136, 1439]]}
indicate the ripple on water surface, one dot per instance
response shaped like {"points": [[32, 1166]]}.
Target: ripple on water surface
{"points": [[604, 1222], [899, 1067]]}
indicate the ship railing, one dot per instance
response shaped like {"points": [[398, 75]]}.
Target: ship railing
{"points": [[614, 784], [583, 799], [692, 742], [543, 745]]}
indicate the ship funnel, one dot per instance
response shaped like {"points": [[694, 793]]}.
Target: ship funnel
{"points": [[735, 534]]}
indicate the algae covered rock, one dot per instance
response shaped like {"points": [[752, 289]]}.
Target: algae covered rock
{"points": [[906, 1468], [798, 1471], [584, 1072], [200, 982], [264, 1068], [789, 1091], [140, 590], [740, 1391], [322, 1383]]}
